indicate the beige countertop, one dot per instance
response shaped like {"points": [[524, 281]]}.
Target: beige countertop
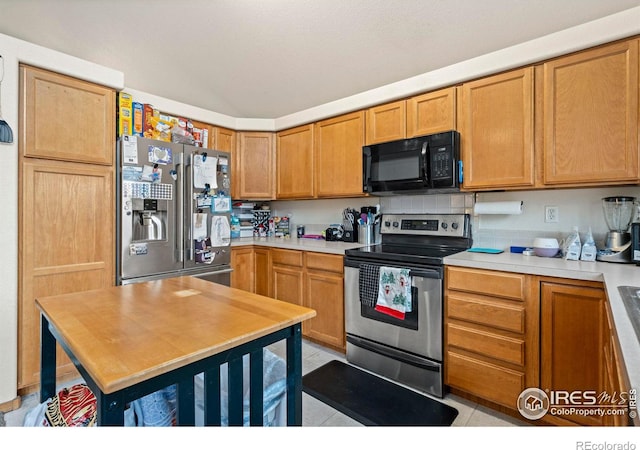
{"points": [[294, 243], [611, 274]]}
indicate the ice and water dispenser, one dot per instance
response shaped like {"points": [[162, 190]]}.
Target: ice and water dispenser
{"points": [[149, 219]]}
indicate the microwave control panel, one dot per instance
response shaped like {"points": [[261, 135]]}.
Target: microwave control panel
{"points": [[442, 163]]}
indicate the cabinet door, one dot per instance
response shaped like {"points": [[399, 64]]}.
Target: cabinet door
{"points": [[224, 139], [496, 130], [64, 118], [254, 165], [572, 341], [262, 281], [243, 265], [338, 145], [67, 245], [294, 163], [433, 112], [591, 116], [324, 292], [287, 284], [386, 122]]}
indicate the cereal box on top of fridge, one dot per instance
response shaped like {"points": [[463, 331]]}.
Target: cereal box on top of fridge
{"points": [[138, 119], [124, 114]]}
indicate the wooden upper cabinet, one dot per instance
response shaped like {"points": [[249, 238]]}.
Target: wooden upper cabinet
{"points": [[254, 165], [386, 123], [433, 112], [338, 155], [591, 116], [294, 163], [496, 125], [223, 139], [66, 118]]}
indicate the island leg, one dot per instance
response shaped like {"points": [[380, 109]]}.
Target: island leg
{"points": [[47, 361], [294, 376]]}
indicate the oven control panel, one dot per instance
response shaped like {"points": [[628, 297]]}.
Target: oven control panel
{"points": [[455, 225]]}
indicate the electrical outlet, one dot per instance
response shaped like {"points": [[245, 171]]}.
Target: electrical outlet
{"points": [[551, 214]]}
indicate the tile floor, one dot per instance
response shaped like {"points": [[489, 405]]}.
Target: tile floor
{"points": [[318, 414]]}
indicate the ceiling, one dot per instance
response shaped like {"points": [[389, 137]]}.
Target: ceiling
{"points": [[271, 58]]}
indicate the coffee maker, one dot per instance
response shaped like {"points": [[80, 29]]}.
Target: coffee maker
{"points": [[618, 213]]}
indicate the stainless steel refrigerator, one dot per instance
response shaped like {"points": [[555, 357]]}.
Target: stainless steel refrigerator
{"points": [[173, 211]]}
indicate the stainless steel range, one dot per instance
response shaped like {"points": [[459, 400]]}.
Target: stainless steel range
{"points": [[403, 342]]}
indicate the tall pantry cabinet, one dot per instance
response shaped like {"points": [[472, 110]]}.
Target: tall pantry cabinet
{"points": [[66, 201]]}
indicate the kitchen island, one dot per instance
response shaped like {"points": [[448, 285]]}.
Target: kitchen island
{"points": [[129, 341]]}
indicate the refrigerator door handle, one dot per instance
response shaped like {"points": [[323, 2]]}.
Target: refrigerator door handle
{"points": [[189, 198], [180, 208]]}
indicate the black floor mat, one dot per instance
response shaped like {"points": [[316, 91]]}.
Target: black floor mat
{"points": [[372, 400]]}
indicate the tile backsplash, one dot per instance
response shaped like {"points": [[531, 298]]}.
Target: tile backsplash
{"points": [[576, 207], [435, 204]]}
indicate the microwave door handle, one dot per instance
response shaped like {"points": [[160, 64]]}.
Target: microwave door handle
{"points": [[425, 162], [366, 169]]}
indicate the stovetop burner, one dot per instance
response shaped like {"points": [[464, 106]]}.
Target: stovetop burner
{"points": [[422, 239], [405, 253]]}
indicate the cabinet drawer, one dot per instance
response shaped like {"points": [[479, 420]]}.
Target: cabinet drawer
{"points": [[486, 380], [486, 312], [286, 257], [493, 345], [321, 261], [496, 284]]}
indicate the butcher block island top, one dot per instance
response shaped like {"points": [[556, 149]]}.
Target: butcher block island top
{"points": [[124, 335]]}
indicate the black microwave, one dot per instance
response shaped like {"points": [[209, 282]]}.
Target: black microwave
{"points": [[420, 165]]}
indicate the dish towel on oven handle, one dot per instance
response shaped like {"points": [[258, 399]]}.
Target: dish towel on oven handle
{"points": [[368, 281], [394, 292]]}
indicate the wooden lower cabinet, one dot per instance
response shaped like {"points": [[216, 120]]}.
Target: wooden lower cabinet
{"points": [[572, 341], [67, 245], [324, 292], [491, 334], [262, 267], [505, 332], [251, 269], [615, 379], [287, 276], [311, 279], [243, 265]]}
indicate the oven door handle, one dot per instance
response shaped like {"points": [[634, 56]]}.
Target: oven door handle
{"points": [[421, 272], [416, 361]]}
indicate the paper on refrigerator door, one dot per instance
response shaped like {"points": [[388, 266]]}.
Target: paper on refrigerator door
{"points": [[220, 231], [199, 226], [204, 171]]}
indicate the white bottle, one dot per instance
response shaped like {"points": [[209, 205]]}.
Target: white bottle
{"points": [[573, 245], [589, 250]]}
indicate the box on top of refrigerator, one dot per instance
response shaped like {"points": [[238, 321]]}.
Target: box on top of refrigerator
{"points": [[138, 119], [125, 123]]}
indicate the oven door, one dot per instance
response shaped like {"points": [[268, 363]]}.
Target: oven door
{"points": [[421, 330], [396, 166]]}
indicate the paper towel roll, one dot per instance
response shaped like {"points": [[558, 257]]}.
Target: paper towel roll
{"points": [[514, 207]]}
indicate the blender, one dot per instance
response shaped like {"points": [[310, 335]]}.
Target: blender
{"points": [[618, 213]]}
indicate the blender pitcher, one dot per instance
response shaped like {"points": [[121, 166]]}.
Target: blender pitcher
{"points": [[618, 213]]}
